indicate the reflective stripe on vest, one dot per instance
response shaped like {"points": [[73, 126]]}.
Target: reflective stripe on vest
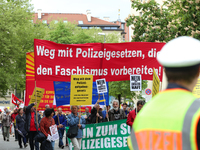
{"points": [[155, 139]]}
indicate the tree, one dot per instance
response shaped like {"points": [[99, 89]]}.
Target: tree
{"points": [[120, 89], [71, 33], [17, 34], [163, 23]]}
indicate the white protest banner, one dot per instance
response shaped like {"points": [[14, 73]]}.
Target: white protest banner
{"points": [[135, 82], [54, 132], [101, 86]]}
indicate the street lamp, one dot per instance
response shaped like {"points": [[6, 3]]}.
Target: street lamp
{"points": [[103, 35]]}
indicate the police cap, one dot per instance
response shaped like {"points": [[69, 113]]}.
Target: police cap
{"points": [[181, 52]]}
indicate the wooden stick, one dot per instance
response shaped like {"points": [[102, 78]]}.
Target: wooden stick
{"points": [[97, 109], [36, 103], [106, 107], [79, 114], [160, 86]]}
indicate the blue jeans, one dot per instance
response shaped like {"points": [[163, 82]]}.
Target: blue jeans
{"points": [[53, 144], [61, 133]]}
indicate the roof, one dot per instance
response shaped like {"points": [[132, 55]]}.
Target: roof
{"points": [[72, 18]]}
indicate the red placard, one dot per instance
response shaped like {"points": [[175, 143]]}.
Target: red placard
{"points": [[114, 62]]}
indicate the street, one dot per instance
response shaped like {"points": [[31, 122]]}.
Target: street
{"points": [[13, 145]]}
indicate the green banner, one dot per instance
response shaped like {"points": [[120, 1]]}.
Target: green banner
{"points": [[107, 135]]}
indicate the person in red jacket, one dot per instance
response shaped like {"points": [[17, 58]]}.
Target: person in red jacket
{"points": [[132, 114], [13, 116]]}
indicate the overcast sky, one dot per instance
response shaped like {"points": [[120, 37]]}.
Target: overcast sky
{"points": [[99, 8]]}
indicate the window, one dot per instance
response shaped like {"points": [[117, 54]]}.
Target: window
{"points": [[65, 21], [80, 22], [44, 21], [123, 38], [113, 27], [56, 21], [91, 27], [122, 26], [97, 27], [106, 27], [84, 27]]}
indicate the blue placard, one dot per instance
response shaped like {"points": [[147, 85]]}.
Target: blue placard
{"points": [[62, 93]]}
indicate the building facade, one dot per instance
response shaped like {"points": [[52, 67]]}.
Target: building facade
{"points": [[85, 21]]}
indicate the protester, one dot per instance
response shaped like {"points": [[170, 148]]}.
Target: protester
{"points": [[128, 109], [132, 114], [60, 120], [116, 113], [1, 118], [46, 122], [75, 119], [32, 126], [67, 127], [6, 124], [20, 127], [104, 112], [124, 105], [96, 114], [46, 106], [13, 115], [87, 113]]}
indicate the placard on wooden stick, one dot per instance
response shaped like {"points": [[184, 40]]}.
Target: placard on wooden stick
{"points": [[101, 86], [81, 90], [39, 94], [135, 83]]}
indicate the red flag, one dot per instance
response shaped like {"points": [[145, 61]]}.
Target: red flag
{"points": [[16, 100]]}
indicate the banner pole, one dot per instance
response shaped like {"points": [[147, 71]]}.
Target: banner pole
{"points": [[36, 103], [160, 86], [98, 108], [105, 105], [79, 114]]}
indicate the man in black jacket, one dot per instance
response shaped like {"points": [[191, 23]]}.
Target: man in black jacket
{"points": [[96, 114], [32, 125]]}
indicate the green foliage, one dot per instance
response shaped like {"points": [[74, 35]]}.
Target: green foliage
{"points": [[70, 33], [122, 89], [17, 34], [163, 23]]}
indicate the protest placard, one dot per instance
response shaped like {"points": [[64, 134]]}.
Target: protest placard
{"points": [[112, 61], [54, 132], [39, 94], [81, 90], [62, 94], [135, 82], [105, 136], [101, 86], [156, 83]]}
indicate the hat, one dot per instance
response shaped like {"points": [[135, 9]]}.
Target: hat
{"points": [[180, 52]]}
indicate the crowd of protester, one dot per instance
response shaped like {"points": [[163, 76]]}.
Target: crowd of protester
{"points": [[30, 127]]}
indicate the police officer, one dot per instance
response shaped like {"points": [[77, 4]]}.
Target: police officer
{"points": [[170, 121]]}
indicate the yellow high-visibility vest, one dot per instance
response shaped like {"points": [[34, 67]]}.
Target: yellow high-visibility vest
{"points": [[168, 122]]}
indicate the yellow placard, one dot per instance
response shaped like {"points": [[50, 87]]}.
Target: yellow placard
{"points": [[156, 84], [196, 90], [39, 93], [81, 89]]}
